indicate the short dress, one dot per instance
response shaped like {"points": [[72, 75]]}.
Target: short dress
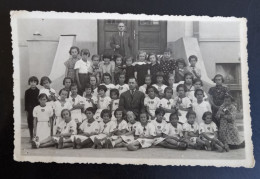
{"points": [[185, 103], [76, 113], [191, 128], [153, 104], [159, 127], [148, 130], [103, 104], [105, 129], [130, 127], [119, 126], [168, 104], [208, 129], [200, 109], [70, 64], [86, 127], [43, 114]]}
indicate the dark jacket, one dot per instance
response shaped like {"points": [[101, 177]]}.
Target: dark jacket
{"points": [[115, 40]]}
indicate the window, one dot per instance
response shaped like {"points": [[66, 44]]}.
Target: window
{"points": [[149, 22], [230, 71]]}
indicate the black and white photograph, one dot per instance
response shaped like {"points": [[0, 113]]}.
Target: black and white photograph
{"points": [[131, 89]]}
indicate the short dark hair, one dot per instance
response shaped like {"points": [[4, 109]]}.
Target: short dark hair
{"points": [[66, 78], [63, 89], [106, 56], [85, 52], [181, 60], [42, 95], [168, 88], [197, 80], [193, 56], [174, 114], [151, 54], [188, 74], [120, 109], [119, 56], [181, 86], [73, 47], [88, 86], [132, 78], [159, 111], [63, 112], [114, 91], [105, 111], [218, 75], [168, 50], [73, 85], [190, 112], [44, 78], [91, 109], [95, 56], [197, 90], [151, 87], [143, 112], [206, 114], [107, 74], [159, 74], [228, 96], [102, 87], [33, 78]]}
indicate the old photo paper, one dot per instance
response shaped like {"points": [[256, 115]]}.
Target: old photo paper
{"points": [[139, 89]]}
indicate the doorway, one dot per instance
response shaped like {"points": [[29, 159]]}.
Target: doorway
{"points": [[150, 36]]}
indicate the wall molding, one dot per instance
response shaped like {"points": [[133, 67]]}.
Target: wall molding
{"points": [[221, 39]]}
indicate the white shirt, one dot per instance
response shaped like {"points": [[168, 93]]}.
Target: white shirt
{"points": [[47, 91], [122, 88], [108, 127], [170, 130], [159, 126], [122, 125], [104, 102], [190, 128], [200, 109], [88, 102], [208, 128], [87, 127], [64, 128], [160, 88], [131, 127], [83, 67], [58, 107], [167, 103], [147, 130], [153, 104], [192, 97], [42, 114]]}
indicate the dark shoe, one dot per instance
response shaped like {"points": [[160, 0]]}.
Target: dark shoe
{"points": [[34, 146], [74, 143], [97, 143], [109, 144], [219, 148], [207, 146], [182, 146], [60, 143], [226, 148]]}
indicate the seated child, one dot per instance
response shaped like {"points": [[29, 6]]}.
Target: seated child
{"points": [[107, 78], [160, 125], [197, 84], [200, 106], [114, 95], [147, 83], [167, 103], [96, 68], [151, 102], [67, 81], [107, 127], [30, 101], [182, 103], [209, 133], [88, 128], [42, 115], [121, 129], [173, 134], [144, 134], [180, 70], [192, 68], [77, 103], [191, 132], [121, 86], [90, 98], [103, 102], [128, 137], [159, 84]]}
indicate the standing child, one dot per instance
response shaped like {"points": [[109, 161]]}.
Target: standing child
{"points": [[50, 92], [70, 63], [42, 121], [160, 125], [151, 102], [107, 81], [31, 100], [159, 84], [103, 102], [228, 132], [167, 103], [108, 66], [129, 71], [90, 99], [128, 137], [145, 134], [121, 129], [180, 70], [106, 130], [77, 103], [192, 68], [173, 134], [154, 67], [114, 95], [209, 133], [191, 132], [182, 103], [188, 82], [96, 68], [67, 81], [83, 69], [197, 84], [87, 129], [200, 106], [141, 68], [148, 82], [119, 68], [59, 105], [121, 86]]}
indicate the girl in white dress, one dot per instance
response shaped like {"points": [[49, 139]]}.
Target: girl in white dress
{"points": [[42, 121], [103, 102], [188, 82], [159, 85], [167, 103], [59, 105], [173, 134], [198, 84], [121, 86], [144, 134], [151, 102], [114, 104], [182, 103], [107, 81]]}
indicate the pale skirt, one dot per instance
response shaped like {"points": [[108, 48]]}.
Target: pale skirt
{"points": [[43, 130]]}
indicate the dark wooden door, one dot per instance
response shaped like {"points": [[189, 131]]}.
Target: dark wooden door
{"points": [[149, 36]]}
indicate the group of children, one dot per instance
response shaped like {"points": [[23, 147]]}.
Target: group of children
{"points": [[86, 112]]}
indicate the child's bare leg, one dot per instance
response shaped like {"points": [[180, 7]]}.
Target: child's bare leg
{"points": [[48, 139], [167, 145], [172, 141], [67, 145], [47, 144], [117, 141]]}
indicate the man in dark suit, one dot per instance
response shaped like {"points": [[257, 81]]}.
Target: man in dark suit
{"points": [[132, 100], [120, 41]]}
